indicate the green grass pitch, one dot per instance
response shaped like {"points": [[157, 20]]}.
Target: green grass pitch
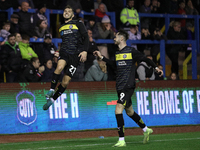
{"points": [[178, 141]]}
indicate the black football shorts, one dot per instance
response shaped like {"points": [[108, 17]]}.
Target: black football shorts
{"points": [[124, 97], [72, 61]]}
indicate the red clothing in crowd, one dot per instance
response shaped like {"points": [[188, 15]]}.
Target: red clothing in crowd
{"points": [[99, 14], [182, 21]]}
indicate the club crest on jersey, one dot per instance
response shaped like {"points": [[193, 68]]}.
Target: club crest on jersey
{"points": [[124, 56], [71, 26]]}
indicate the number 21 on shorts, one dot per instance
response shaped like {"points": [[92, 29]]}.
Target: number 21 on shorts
{"points": [[72, 69]]}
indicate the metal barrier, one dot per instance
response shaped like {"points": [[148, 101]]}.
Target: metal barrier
{"points": [[112, 16], [162, 48]]}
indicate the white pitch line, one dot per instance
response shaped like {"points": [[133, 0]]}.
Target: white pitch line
{"points": [[59, 147]]}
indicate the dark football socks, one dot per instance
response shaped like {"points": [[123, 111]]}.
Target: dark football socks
{"points": [[54, 81], [58, 92], [120, 124], [138, 120]]}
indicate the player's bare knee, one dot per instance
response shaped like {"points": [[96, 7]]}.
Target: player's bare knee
{"points": [[59, 69], [129, 113]]}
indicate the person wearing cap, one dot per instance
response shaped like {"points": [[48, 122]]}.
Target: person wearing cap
{"points": [[14, 26], [106, 31], [48, 47], [92, 25]]}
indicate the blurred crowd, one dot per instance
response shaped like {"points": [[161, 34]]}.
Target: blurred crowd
{"points": [[22, 61]]}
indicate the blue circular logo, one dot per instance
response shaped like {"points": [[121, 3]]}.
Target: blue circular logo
{"points": [[124, 56], [71, 26]]}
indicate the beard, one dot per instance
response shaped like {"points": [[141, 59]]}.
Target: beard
{"points": [[116, 42]]}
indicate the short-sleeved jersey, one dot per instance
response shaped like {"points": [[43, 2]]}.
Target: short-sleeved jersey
{"points": [[72, 34], [125, 60]]}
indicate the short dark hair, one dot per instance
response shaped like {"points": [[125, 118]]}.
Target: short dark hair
{"points": [[11, 35], [123, 33], [39, 22], [6, 23], [25, 37], [33, 59], [68, 6]]}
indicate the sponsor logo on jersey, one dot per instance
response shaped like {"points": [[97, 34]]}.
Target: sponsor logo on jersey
{"points": [[122, 63], [68, 31]]}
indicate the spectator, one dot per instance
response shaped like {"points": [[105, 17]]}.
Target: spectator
{"points": [[87, 5], [14, 26], [106, 31], [26, 24], [190, 10], [115, 6], [92, 47], [134, 34], [155, 6], [174, 33], [145, 36], [173, 76], [97, 72], [4, 33], [97, 3], [41, 29], [144, 71], [76, 5], [6, 4], [26, 51], [40, 32], [49, 48], [18, 38], [91, 25], [155, 48], [33, 71], [48, 71], [182, 11], [30, 3], [129, 15], [11, 59], [100, 12], [155, 9], [145, 22], [40, 14], [157, 76]]}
